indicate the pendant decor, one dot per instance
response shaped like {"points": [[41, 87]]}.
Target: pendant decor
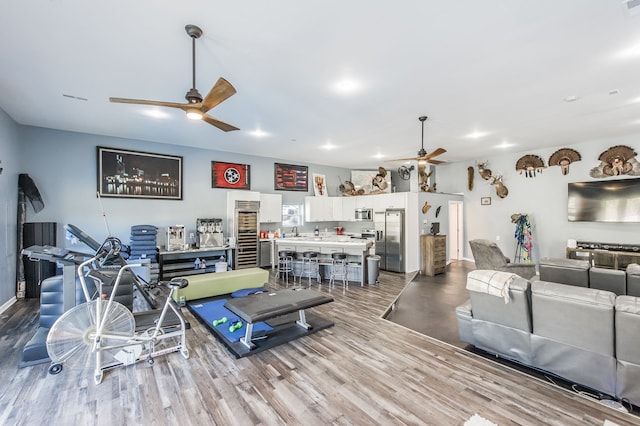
{"points": [[615, 161], [563, 157], [530, 164]]}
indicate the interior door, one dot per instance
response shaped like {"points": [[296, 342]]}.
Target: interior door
{"points": [[456, 241]]}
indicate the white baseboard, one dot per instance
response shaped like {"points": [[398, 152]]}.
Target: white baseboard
{"points": [[7, 304]]}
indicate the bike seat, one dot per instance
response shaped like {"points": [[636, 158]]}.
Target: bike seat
{"points": [[176, 283]]}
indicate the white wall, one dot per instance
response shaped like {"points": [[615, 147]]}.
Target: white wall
{"points": [[543, 197], [8, 205]]}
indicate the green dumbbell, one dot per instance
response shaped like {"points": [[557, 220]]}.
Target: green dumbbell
{"points": [[219, 321], [235, 326]]}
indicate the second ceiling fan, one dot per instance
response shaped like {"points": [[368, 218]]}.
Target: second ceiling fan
{"points": [[196, 106], [423, 157]]}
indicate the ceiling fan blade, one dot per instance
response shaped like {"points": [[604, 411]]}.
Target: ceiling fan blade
{"points": [[156, 103], [435, 153], [220, 91], [430, 161], [404, 159], [219, 124]]}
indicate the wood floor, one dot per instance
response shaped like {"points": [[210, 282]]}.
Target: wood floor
{"points": [[364, 370]]}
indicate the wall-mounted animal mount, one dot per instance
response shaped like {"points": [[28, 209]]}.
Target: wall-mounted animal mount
{"points": [[379, 180], [470, 172], [501, 190], [530, 164], [615, 161], [426, 207], [483, 171], [563, 157], [423, 178]]}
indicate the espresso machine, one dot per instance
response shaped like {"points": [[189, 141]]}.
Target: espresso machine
{"points": [[209, 233]]}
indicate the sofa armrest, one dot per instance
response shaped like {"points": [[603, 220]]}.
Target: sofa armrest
{"points": [[525, 270]]}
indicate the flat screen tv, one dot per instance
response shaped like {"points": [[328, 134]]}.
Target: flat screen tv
{"points": [[604, 201]]}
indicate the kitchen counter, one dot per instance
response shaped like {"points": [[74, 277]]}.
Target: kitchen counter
{"points": [[330, 240], [356, 250]]}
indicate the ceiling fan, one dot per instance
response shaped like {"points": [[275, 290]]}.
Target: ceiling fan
{"points": [[196, 106], [423, 157]]}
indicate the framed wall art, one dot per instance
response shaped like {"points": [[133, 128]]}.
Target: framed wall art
{"points": [[320, 185], [230, 175], [288, 177], [136, 174], [485, 201]]}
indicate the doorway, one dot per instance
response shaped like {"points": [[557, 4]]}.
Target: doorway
{"points": [[456, 241]]}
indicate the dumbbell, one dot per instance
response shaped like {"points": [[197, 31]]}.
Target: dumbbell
{"points": [[219, 321], [235, 326]]}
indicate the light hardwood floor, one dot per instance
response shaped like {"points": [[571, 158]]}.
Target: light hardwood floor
{"points": [[364, 370]]}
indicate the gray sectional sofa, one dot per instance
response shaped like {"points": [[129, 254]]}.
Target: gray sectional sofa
{"points": [[585, 335]]}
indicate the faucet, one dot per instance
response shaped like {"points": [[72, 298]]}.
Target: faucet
{"points": [[295, 231]]}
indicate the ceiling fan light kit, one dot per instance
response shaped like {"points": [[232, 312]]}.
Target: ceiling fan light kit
{"points": [[196, 107]]}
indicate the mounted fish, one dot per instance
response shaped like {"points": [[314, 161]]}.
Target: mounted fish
{"points": [[530, 164], [615, 161], [501, 190], [470, 178], [483, 171], [563, 157]]}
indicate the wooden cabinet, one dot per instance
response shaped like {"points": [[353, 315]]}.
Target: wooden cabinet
{"points": [[433, 249], [270, 208], [604, 258]]}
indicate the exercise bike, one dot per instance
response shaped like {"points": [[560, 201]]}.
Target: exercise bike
{"points": [[102, 333]]}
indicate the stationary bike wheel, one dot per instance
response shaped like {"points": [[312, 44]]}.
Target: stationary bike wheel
{"points": [[69, 340]]}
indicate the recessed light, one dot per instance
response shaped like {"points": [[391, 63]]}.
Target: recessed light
{"points": [[571, 98], [476, 135], [259, 133], [347, 86], [614, 92]]}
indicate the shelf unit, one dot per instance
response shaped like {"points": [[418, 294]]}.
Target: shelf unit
{"points": [[182, 263], [604, 258]]}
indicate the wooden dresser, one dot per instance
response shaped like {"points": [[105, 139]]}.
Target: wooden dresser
{"points": [[433, 249]]}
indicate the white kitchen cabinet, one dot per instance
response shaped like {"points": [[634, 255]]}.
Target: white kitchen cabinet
{"points": [[348, 208], [270, 208], [319, 209], [394, 200]]}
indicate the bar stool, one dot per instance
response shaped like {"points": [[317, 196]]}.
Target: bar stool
{"points": [[339, 270], [310, 267], [285, 265]]}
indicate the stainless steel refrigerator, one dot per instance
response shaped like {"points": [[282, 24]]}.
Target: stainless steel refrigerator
{"points": [[390, 239]]}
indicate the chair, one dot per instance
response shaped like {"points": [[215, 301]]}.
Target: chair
{"points": [[339, 270], [310, 267], [285, 265], [487, 255]]}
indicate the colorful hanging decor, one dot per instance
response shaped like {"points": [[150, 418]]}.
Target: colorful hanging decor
{"points": [[523, 236]]}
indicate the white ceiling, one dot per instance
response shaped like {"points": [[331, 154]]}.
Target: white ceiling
{"points": [[494, 66]]}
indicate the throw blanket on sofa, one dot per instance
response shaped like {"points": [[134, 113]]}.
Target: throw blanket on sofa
{"points": [[495, 283]]}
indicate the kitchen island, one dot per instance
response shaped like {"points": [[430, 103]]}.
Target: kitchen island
{"points": [[356, 250]]}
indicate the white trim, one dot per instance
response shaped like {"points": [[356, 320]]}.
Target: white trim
{"points": [[8, 304]]}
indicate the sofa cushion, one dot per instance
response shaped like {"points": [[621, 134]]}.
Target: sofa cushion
{"points": [[612, 280], [515, 314], [564, 271], [577, 316], [633, 280]]}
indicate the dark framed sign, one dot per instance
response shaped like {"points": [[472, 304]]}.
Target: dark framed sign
{"points": [[230, 175], [136, 174], [288, 177]]}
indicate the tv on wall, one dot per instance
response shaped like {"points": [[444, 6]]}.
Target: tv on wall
{"points": [[604, 201]]}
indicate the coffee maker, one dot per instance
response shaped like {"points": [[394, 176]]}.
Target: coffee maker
{"points": [[209, 233], [175, 237]]}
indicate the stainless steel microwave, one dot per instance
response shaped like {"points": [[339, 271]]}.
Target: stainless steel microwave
{"points": [[364, 215]]}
